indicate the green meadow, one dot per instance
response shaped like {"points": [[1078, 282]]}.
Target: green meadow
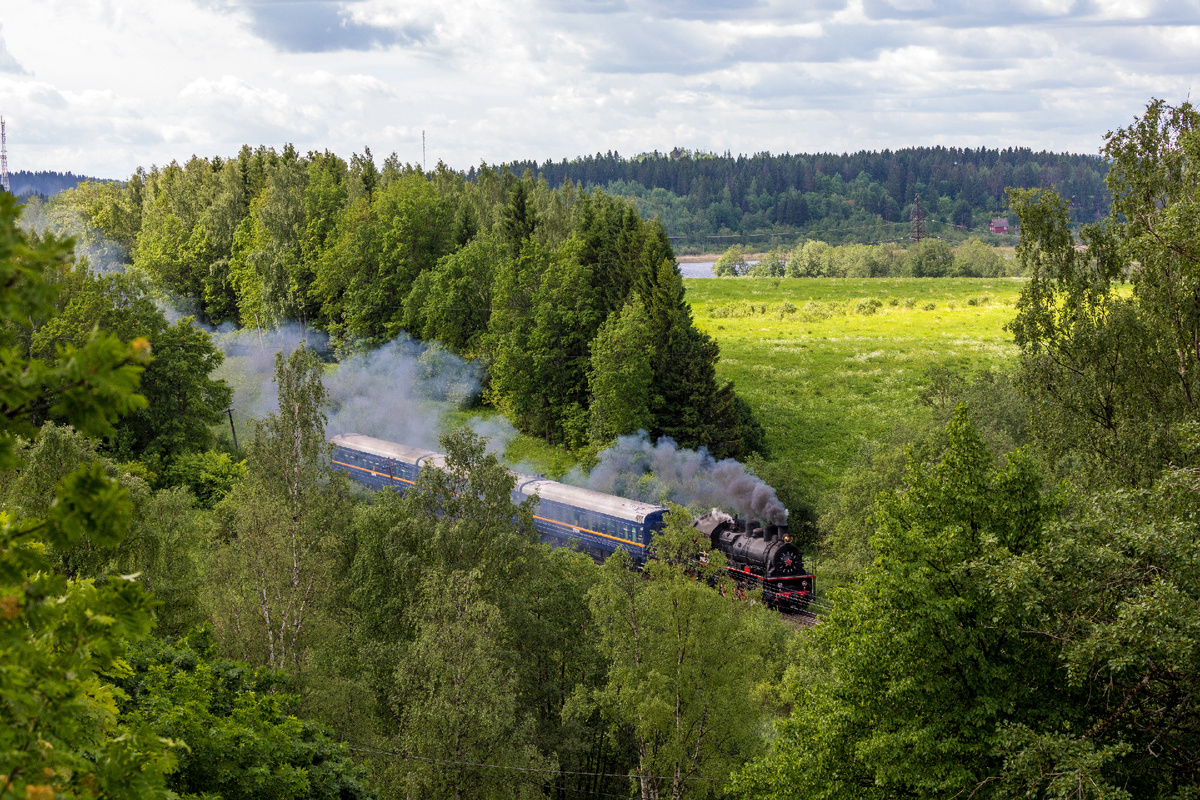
{"points": [[829, 363]]}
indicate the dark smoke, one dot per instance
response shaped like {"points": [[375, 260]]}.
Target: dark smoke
{"points": [[661, 472]]}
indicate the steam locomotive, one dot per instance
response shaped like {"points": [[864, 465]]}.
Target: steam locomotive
{"points": [[600, 524], [760, 557]]}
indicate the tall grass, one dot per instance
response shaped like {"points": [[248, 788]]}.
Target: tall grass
{"points": [[829, 363]]}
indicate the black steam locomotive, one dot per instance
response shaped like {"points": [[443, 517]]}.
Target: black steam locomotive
{"points": [[760, 557], [600, 524]]}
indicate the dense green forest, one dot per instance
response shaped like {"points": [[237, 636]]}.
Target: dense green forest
{"points": [[573, 301], [182, 617], [708, 201]]}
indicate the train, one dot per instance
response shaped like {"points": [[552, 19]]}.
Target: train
{"points": [[758, 556]]}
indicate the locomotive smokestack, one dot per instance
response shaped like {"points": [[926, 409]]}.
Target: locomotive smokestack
{"points": [[783, 533], [754, 528], [769, 532]]}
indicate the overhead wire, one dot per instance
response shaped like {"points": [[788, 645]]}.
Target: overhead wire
{"points": [[535, 770]]}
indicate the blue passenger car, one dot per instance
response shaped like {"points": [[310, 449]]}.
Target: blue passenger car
{"points": [[590, 521]]}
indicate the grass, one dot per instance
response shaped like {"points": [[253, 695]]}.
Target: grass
{"points": [[825, 368]]}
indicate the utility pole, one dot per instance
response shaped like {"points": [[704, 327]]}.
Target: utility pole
{"points": [[3, 157], [918, 221], [232, 429]]}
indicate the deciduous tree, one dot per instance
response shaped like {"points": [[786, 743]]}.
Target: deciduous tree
{"points": [[60, 733], [281, 524]]}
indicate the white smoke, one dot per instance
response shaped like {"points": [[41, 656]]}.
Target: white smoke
{"points": [[400, 392], [659, 472], [498, 432], [103, 254], [249, 366]]}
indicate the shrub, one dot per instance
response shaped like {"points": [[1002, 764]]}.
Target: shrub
{"points": [[732, 262], [772, 265], [809, 261], [868, 305], [977, 260], [814, 311], [929, 258], [929, 306]]}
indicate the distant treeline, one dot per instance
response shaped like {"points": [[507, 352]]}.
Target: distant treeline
{"points": [[48, 184], [709, 201]]}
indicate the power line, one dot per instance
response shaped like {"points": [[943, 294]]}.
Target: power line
{"points": [[410, 757]]}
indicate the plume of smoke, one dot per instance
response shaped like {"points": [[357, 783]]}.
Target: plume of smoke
{"points": [[399, 392], [249, 366], [103, 254], [496, 430], [658, 472]]}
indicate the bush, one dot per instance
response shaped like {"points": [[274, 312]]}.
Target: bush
{"points": [[977, 260], [772, 265], [814, 311], [210, 475], [809, 261], [867, 306], [735, 310], [929, 258], [929, 306], [732, 262]]}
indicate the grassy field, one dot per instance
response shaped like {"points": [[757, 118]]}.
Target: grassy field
{"points": [[826, 369]]}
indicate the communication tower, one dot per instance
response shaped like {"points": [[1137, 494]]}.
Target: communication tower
{"points": [[3, 157], [918, 221]]}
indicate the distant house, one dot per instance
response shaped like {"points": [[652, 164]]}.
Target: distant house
{"points": [[998, 225]]}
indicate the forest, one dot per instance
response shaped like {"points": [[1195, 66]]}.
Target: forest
{"points": [[708, 201], [25, 183], [182, 616]]}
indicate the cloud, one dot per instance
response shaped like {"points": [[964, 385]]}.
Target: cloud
{"points": [[7, 62], [493, 81], [321, 26]]}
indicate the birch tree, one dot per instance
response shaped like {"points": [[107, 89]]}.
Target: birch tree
{"points": [[281, 521], [683, 662]]}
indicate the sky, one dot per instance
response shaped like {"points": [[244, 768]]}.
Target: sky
{"points": [[101, 87]]}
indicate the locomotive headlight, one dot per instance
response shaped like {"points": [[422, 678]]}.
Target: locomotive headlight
{"points": [[787, 537]]}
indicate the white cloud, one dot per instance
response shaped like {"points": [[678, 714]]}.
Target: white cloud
{"points": [[105, 86]]}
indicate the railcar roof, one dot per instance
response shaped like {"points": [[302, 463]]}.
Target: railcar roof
{"points": [[600, 502], [386, 449]]}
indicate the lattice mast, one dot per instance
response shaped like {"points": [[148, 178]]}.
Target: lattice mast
{"points": [[918, 221], [3, 157]]}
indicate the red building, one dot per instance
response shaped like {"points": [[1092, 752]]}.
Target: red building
{"points": [[998, 225]]}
